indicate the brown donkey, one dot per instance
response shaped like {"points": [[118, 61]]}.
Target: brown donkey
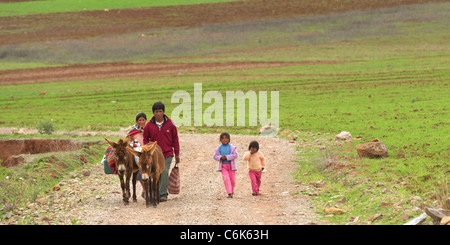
{"points": [[151, 164], [125, 167]]}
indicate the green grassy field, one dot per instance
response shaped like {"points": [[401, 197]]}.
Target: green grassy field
{"points": [[389, 80], [44, 7]]}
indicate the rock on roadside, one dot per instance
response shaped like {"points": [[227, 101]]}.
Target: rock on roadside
{"points": [[374, 149], [344, 135]]}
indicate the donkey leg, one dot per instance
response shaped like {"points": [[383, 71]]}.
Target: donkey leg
{"points": [[147, 193], [124, 190], [158, 183], [127, 186], [134, 187], [152, 197], [155, 187], [153, 193]]}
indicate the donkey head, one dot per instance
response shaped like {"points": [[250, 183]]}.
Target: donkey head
{"points": [[121, 154], [146, 159]]}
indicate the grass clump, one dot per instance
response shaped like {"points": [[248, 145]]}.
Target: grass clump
{"points": [[45, 126]]}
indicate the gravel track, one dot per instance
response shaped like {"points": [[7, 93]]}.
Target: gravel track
{"points": [[95, 198]]}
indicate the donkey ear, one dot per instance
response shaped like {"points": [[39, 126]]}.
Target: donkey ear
{"points": [[113, 144], [134, 152], [127, 140], [153, 147]]}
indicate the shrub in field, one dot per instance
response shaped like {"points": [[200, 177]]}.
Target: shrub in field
{"points": [[45, 127]]}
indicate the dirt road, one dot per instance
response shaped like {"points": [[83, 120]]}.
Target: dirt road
{"points": [[94, 198]]}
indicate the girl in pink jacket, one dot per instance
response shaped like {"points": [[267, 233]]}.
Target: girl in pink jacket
{"points": [[226, 154]]}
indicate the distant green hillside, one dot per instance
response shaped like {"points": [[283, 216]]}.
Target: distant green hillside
{"points": [[40, 7]]}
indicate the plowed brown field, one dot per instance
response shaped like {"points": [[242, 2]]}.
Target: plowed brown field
{"points": [[69, 25], [84, 72], [79, 25]]}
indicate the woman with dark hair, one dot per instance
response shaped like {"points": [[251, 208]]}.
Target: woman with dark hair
{"points": [[137, 140], [136, 132]]}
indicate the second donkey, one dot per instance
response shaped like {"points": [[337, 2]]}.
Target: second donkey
{"points": [[151, 164]]}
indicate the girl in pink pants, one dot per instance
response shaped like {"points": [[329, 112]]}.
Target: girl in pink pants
{"points": [[256, 164], [226, 154]]}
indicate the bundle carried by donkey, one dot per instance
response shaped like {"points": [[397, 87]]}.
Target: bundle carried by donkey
{"points": [[151, 164], [125, 167]]}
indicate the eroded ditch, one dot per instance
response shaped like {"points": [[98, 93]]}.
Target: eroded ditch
{"points": [[11, 150]]}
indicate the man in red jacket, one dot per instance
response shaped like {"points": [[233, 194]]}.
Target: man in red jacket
{"points": [[161, 129]]}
